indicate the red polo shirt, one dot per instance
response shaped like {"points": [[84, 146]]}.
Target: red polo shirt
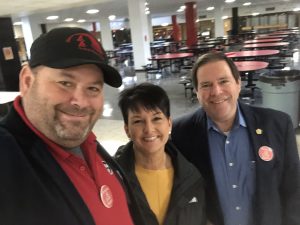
{"points": [[96, 183]]}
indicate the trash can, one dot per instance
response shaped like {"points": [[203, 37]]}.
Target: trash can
{"points": [[281, 91]]}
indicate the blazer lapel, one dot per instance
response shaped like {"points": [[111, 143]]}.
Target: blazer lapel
{"points": [[259, 137], [264, 169]]}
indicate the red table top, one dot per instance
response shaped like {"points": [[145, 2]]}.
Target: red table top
{"points": [[253, 53], [262, 45], [171, 56], [283, 32], [196, 47], [263, 40], [264, 36], [244, 66]]}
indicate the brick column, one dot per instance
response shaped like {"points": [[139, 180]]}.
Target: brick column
{"points": [[190, 20]]}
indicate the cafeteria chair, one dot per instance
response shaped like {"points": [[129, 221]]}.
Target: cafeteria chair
{"points": [[151, 72], [188, 86]]}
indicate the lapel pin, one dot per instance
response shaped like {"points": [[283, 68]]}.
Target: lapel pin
{"points": [[259, 131]]}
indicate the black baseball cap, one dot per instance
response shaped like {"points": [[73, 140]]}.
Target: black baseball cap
{"points": [[72, 46]]}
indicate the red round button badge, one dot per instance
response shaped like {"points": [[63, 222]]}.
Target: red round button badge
{"points": [[266, 153], [106, 196]]}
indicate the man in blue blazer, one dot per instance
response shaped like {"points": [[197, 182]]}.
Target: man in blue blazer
{"points": [[247, 155]]}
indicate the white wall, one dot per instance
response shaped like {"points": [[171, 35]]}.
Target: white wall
{"points": [[18, 31]]}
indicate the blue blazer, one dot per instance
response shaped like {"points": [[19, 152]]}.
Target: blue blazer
{"points": [[277, 196]]}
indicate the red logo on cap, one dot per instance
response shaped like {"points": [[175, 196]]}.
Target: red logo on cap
{"points": [[87, 42]]}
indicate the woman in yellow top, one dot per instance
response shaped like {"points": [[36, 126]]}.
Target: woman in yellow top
{"points": [[169, 189]]}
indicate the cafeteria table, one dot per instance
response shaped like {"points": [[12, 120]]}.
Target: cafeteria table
{"points": [[165, 47], [268, 55], [252, 54], [216, 42], [169, 57], [197, 49], [264, 36], [248, 67], [266, 45], [284, 33], [263, 40], [126, 54]]}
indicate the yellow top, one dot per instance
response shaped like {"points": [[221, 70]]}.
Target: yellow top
{"points": [[157, 186]]}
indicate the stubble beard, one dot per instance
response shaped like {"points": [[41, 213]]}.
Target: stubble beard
{"points": [[72, 131]]}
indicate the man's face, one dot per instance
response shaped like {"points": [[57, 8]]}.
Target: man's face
{"points": [[218, 91], [63, 104]]}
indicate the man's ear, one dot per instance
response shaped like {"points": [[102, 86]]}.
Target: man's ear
{"points": [[26, 79]]}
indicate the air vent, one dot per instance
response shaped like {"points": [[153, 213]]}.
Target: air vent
{"points": [[202, 17], [270, 9]]}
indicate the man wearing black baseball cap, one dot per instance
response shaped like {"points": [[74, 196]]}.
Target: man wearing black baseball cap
{"points": [[53, 169]]}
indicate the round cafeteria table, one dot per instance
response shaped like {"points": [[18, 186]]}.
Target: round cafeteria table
{"points": [[254, 53], [267, 40], [248, 67], [266, 45], [170, 57]]}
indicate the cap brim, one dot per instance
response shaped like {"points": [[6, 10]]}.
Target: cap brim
{"points": [[111, 76]]}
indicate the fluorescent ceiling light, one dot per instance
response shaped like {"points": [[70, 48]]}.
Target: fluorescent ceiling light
{"points": [[247, 3], [164, 24], [255, 14], [18, 23], [210, 8], [92, 11], [68, 19], [147, 12], [229, 1], [224, 17], [181, 8], [296, 9], [112, 17], [81, 21], [52, 17]]}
